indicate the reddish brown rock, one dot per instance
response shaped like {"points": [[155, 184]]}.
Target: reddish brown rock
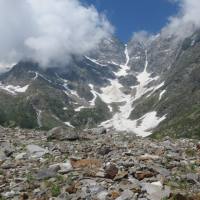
{"points": [[140, 175], [111, 171]]}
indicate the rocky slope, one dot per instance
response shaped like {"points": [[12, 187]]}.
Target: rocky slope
{"points": [[64, 164], [149, 86]]}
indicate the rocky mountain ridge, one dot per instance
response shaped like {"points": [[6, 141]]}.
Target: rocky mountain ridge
{"points": [[143, 88]]}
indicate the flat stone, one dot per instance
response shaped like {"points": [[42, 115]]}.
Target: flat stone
{"points": [[20, 156], [126, 195], [36, 151], [162, 171], [192, 177], [2, 156], [7, 148], [155, 190], [47, 173]]}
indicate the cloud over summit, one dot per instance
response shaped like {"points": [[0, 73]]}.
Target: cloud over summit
{"points": [[187, 19], [49, 30]]}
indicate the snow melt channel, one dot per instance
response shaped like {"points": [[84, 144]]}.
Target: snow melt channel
{"points": [[112, 93]]}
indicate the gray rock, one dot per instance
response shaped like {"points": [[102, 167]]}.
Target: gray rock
{"points": [[9, 194], [192, 177], [155, 191], [36, 151], [162, 171], [102, 195], [2, 156], [20, 156], [126, 195], [64, 196], [47, 173], [98, 131], [7, 148], [104, 150], [62, 133]]}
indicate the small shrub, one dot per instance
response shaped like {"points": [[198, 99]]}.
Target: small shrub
{"points": [[55, 190]]}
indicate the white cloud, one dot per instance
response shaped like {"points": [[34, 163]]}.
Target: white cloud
{"points": [[49, 30], [181, 25], [187, 19]]}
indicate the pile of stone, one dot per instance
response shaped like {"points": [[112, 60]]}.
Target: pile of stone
{"points": [[95, 165]]}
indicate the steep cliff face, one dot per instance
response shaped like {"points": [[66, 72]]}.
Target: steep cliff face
{"points": [[149, 86], [176, 63]]}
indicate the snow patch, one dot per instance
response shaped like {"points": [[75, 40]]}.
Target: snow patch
{"points": [[65, 108], [113, 93], [124, 68], [95, 94], [144, 79], [161, 94], [69, 124], [95, 61], [148, 122], [39, 118], [14, 89], [156, 88], [80, 108], [37, 74], [110, 108]]}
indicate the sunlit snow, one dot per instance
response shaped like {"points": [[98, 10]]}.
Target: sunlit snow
{"points": [[113, 93], [13, 89], [69, 124], [94, 61], [161, 94]]}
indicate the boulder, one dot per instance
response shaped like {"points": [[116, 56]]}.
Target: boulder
{"points": [[62, 133], [111, 171], [47, 173], [7, 148]]}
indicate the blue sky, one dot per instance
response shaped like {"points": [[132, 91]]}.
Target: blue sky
{"points": [[130, 16]]}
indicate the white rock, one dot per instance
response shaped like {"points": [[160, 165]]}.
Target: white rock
{"points": [[155, 191], [158, 183], [64, 167]]}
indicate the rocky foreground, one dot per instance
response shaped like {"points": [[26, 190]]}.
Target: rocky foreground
{"points": [[94, 165]]}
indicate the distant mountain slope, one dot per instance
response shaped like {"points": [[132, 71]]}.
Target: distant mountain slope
{"points": [[148, 86]]}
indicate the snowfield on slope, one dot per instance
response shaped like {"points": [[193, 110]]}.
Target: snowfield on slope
{"points": [[113, 94]]}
